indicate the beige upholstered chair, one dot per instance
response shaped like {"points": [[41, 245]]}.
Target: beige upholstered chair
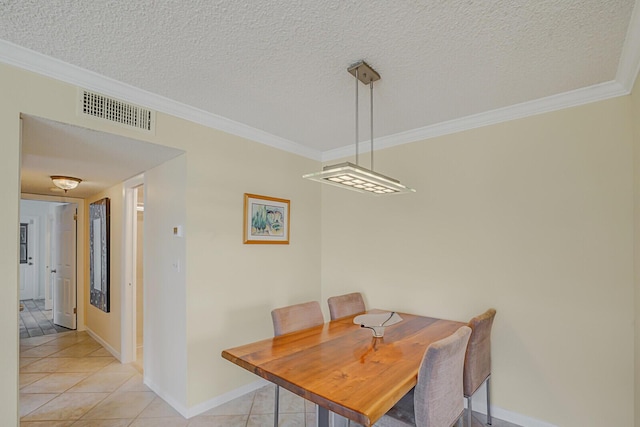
{"points": [[436, 400], [290, 319], [477, 362], [346, 305]]}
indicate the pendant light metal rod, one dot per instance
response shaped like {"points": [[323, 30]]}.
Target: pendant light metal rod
{"points": [[371, 86], [357, 137], [355, 177]]}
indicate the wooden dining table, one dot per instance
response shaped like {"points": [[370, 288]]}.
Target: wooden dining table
{"points": [[342, 368]]}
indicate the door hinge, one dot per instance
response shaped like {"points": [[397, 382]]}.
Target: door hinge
{"points": [[75, 310], [75, 217]]}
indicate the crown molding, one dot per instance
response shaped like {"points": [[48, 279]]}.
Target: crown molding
{"points": [[30, 60], [626, 75], [629, 65], [561, 101]]}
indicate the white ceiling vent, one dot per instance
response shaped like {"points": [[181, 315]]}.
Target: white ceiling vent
{"points": [[117, 111]]}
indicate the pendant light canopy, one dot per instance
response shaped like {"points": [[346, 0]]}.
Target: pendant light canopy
{"points": [[354, 176]]}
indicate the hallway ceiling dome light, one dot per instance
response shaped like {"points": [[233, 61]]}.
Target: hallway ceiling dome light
{"points": [[65, 183], [354, 176]]}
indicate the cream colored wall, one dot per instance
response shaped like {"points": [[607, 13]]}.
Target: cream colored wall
{"points": [[635, 118], [165, 315], [10, 195], [232, 286], [533, 217], [107, 325], [229, 287]]}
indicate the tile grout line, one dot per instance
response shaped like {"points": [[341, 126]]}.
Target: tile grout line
{"points": [[253, 401]]}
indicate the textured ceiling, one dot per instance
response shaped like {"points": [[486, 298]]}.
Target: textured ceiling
{"points": [[280, 66]]}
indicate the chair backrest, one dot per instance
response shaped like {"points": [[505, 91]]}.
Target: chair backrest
{"points": [[346, 305], [477, 362], [295, 317], [438, 399]]}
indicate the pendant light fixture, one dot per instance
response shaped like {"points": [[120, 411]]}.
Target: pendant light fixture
{"points": [[65, 183], [354, 176]]}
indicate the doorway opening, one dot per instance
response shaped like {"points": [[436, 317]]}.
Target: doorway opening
{"points": [[133, 280], [103, 160], [48, 267], [139, 275]]}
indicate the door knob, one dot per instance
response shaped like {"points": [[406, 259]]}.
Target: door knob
{"points": [[54, 271]]}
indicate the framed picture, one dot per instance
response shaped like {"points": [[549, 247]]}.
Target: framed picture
{"points": [[266, 220], [99, 233], [24, 251]]}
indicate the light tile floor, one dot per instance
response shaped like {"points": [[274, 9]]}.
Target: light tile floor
{"points": [[68, 380]]}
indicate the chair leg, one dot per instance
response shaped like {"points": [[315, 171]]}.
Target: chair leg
{"points": [[276, 407], [469, 411], [489, 420]]}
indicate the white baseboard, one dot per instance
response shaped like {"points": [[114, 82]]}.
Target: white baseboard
{"points": [[103, 343], [479, 399], [479, 404], [515, 418], [227, 397], [183, 410], [480, 396], [207, 405]]}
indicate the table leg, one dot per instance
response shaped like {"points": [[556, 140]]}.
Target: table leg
{"points": [[326, 418], [322, 416]]}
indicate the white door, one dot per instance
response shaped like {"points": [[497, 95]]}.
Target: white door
{"points": [[63, 253], [28, 255]]}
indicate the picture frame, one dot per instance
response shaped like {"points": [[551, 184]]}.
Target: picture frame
{"points": [[266, 220], [24, 245], [99, 254]]}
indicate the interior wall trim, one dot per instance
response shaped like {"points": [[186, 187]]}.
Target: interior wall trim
{"points": [[629, 65], [38, 63], [224, 398], [104, 344], [561, 101], [628, 68]]}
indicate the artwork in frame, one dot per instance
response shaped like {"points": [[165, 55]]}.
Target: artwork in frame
{"points": [[99, 233], [266, 220], [24, 250]]}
